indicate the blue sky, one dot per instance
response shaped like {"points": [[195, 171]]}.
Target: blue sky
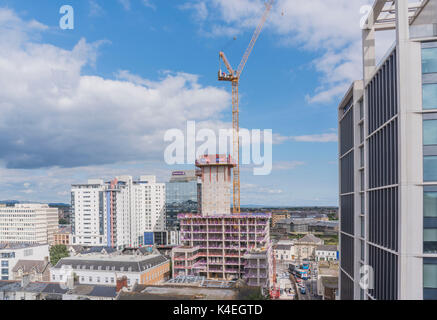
{"points": [[95, 101]]}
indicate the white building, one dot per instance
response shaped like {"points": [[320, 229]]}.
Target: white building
{"points": [[28, 223], [106, 269], [326, 253], [118, 213], [388, 159], [284, 252], [10, 254], [87, 204]]}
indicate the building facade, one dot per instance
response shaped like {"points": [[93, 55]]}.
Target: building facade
{"points": [[388, 160], [120, 213], [28, 223], [214, 242], [182, 196], [63, 236], [326, 253], [106, 269], [10, 254]]}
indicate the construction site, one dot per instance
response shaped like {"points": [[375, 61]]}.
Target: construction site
{"points": [[217, 243]]}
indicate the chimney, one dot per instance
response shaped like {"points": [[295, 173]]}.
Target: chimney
{"points": [[121, 283]]}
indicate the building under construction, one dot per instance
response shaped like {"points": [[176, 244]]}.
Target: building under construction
{"points": [[217, 243]]}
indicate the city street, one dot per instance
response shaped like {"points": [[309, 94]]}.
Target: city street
{"points": [[310, 284]]}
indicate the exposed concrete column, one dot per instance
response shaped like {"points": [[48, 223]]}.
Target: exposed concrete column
{"points": [[410, 157], [368, 40]]}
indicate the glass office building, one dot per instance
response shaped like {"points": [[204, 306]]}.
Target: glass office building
{"points": [[182, 196], [388, 161]]}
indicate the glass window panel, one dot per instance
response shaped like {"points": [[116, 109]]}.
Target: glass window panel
{"points": [[430, 204], [430, 168], [430, 275], [430, 235], [430, 96], [429, 60], [430, 132]]}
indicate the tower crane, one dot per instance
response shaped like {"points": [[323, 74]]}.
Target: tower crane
{"points": [[234, 77]]}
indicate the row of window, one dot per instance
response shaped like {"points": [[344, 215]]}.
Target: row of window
{"points": [[429, 96]]}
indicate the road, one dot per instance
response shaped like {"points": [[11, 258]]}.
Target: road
{"points": [[310, 284]]}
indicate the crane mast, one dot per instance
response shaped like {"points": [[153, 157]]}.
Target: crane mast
{"points": [[234, 77]]}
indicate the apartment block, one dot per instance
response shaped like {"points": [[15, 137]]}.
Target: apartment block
{"points": [[388, 160], [119, 213], [28, 223]]}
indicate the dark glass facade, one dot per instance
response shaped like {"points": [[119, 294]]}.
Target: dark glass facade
{"points": [[181, 197]]}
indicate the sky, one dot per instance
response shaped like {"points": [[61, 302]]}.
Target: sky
{"points": [[96, 101]]}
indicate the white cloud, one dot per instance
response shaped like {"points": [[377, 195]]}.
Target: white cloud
{"points": [[95, 9], [287, 165], [52, 115], [321, 138], [126, 4]]}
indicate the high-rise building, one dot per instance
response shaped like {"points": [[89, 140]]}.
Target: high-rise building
{"points": [[215, 242], [388, 160], [119, 213], [182, 196], [28, 223]]}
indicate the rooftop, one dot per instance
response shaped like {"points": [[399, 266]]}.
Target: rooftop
{"points": [[174, 292], [27, 266], [127, 263], [14, 246], [310, 238], [384, 13], [327, 248]]}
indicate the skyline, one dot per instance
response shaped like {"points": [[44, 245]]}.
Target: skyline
{"points": [[112, 96]]}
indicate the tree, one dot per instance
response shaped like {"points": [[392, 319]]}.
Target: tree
{"points": [[57, 253]]}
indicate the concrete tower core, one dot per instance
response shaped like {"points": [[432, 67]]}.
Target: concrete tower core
{"points": [[216, 184]]}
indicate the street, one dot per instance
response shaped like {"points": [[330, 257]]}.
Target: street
{"points": [[310, 284]]}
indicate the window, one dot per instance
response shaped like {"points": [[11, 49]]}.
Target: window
{"points": [[5, 264], [430, 279], [430, 204], [429, 60], [430, 96], [430, 132], [430, 168], [430, 220]]}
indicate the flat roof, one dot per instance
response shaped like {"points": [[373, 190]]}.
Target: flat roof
{"points": [[167, 292]]}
